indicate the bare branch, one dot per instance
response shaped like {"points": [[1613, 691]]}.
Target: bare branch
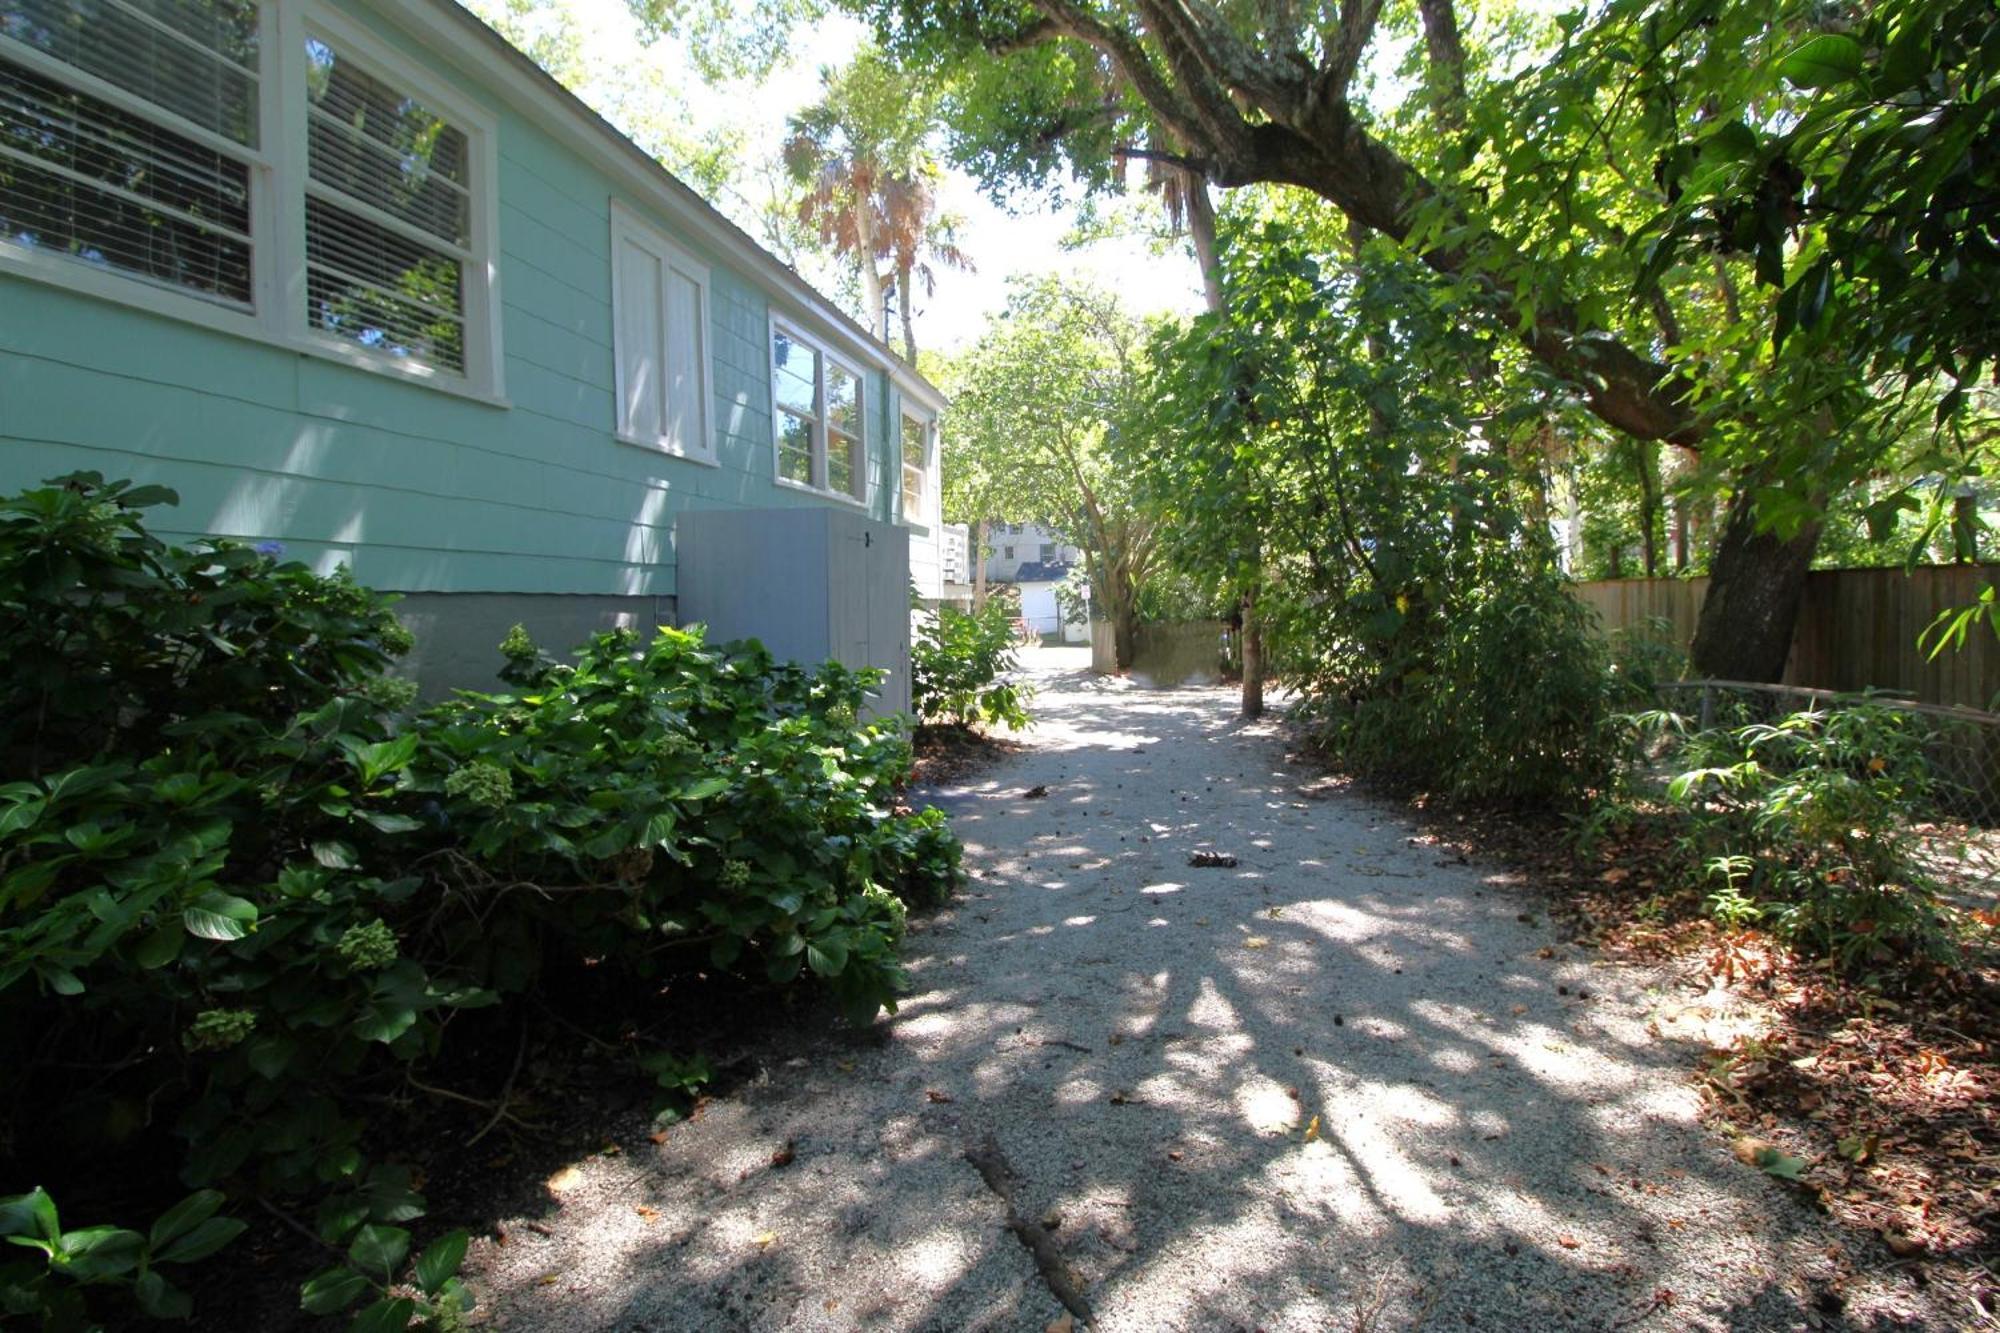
{"points": [[1132, 63], [1351, 37]]}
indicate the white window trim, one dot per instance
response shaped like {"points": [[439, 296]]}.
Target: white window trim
{"points": [[927, 423], [278, 172], [821, 435], [627, 224]]}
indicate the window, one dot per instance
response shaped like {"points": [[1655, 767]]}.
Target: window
{"points": [[388, 215], [127, 142], [1048, 553], [659, 300], [257, 167], [1006, 553], [819, 418], [916, 468]]}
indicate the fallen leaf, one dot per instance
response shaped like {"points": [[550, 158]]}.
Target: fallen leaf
{"points": [[765, 1239], [649, 1214], [1062, 1324], [1256, 942], [1567, 1242], [566, 1179], [1312, 1129], [933, 1095], [548, 1279]]}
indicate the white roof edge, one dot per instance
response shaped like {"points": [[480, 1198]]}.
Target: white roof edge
{"points": [[498, 64]]}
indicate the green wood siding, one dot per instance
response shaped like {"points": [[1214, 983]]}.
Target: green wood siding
{"points": [[419, 490]]}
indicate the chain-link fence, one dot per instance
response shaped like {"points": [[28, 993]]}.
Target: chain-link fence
{"points": [[1958, 837]]}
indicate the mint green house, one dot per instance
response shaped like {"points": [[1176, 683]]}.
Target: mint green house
{"points": [[356, 278]]}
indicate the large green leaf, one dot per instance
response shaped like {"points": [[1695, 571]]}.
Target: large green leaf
{"points": [[379, 1249], [202, 1241], [389, 1315], [1824, 61], [30, 1214], [184, 1216], [219, 916], [440, 1260], [332, 1291]]}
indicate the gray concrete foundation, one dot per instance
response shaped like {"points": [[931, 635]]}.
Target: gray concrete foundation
{"points": [[458, 633]]}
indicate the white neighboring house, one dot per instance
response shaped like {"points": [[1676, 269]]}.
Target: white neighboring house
{"points": [[1037, 582], [954, 545], [1016, 544]]}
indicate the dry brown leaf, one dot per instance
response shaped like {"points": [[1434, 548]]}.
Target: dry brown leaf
{"points": [[1567, 1242], [1064, 1323], [566, 1179]]}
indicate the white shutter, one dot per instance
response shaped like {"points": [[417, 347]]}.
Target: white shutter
{"points": [[660, 306], [685, 409], [640, 355]]}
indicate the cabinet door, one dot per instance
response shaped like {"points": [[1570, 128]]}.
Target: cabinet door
{"points": [[849, 576]]}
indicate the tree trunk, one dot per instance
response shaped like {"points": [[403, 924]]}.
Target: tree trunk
{"points": [[978, 557], [1756, 582], [1201, 230], [1253, 658], [1124, 636], [1649, 505], [877, 318], [904, 277]]}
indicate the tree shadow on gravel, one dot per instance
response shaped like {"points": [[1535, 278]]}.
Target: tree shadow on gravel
{"points": [[1343, 1084]]}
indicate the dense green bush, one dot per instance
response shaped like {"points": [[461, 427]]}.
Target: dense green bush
{"points": [[1802, 825], [234, 875], [1489, 684], [959, 665]]}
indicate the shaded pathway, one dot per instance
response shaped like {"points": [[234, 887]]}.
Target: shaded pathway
{"points": [[1345, 1083]]}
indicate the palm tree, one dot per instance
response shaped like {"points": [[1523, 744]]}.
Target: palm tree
{"points": [[869, 184]]}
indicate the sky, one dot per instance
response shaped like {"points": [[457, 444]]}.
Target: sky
{"points": [[631, 82]]}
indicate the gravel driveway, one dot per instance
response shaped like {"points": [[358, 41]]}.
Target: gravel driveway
{"points": [[1347, 1083]]}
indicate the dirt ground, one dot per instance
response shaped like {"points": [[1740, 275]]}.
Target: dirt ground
{"points": [[1207, 1044]]}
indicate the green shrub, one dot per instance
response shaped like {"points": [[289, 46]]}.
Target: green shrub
{"points": [[236, 878], [958, 668], [1801, 824], [1487, 684]]}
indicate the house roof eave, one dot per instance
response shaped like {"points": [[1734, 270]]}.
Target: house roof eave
{"points": [[466, 41]]}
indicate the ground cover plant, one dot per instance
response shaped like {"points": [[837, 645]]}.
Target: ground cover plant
{"points": [[247, 896]]}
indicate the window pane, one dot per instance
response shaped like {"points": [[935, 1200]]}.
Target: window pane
{"points": [[368, 285], [794, 374], [82, 179], [686, 413], [840, 473], [794, 448], [638, 337], [385, 148], [195, 58], [843, 401], [913, 492]]}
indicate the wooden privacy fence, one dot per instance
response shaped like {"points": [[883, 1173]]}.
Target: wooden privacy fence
{"points": [[1182, 653], [1857, 628]]}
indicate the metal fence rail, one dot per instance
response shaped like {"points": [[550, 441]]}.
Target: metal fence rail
{"points": [[1961, 745]]}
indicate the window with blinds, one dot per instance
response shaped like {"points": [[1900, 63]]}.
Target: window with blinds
{"points": [[128, 131], [659, 301], [388, 215], [133, 166]]}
